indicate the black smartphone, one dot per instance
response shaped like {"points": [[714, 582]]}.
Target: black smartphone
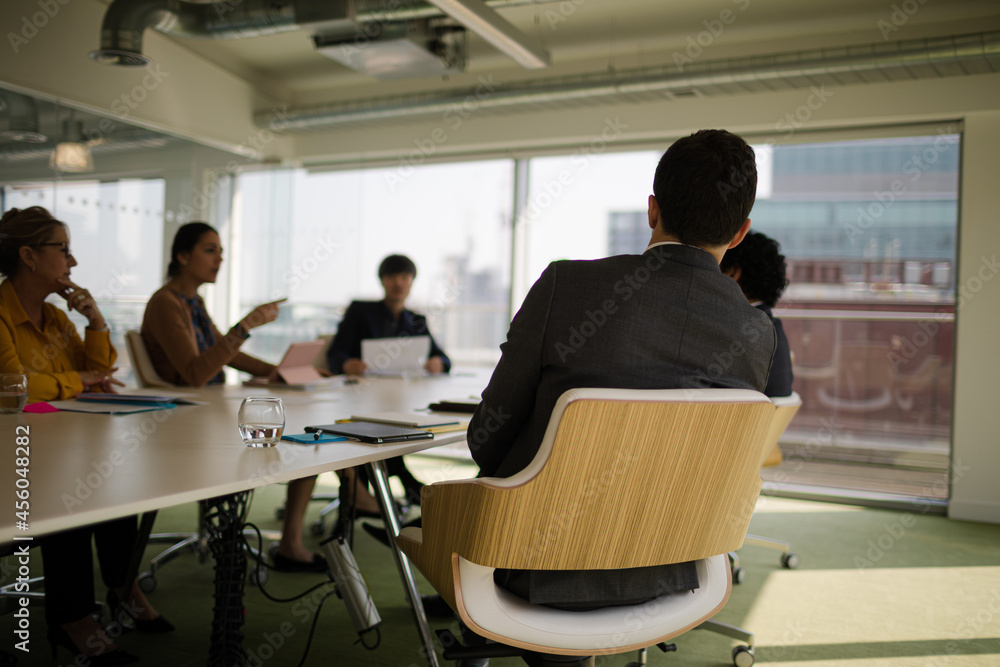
{"points": [[373, 434]]}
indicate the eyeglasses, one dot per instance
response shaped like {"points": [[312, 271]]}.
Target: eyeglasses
{"points": [[62, 245]]}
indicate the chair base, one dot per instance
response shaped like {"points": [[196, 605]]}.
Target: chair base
{"points": [[478, 650]]}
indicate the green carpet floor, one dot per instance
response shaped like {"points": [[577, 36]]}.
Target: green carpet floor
{"points": [[874, 588]]}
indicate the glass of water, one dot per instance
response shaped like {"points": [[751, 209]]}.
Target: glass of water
{"points": [[13, 392], [261, 421]]}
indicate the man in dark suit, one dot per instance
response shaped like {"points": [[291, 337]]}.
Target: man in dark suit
{"points": [[388, 318], [759, 268], [667, 318]]}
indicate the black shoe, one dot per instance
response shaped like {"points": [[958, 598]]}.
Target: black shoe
{"points": [[436, 607], [378, 532], [58, 637], [122, 615], [345, 511], [285, 564]]}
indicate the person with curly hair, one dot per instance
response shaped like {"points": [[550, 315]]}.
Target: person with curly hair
{"points": [[759, 268]]}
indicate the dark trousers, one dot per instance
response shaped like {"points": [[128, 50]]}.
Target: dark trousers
{"points": [[69, 566]]}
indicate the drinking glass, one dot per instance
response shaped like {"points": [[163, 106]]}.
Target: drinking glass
{"points": [[13, 392], [261, 421]]}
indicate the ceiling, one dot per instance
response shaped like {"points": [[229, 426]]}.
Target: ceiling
{"points": [[216, 86], [594, 36]]}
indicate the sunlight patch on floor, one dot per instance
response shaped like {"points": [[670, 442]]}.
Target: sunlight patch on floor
{"points": [[895, 605]]}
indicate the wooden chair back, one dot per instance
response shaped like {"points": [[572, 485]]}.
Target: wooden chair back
{"points": [[625, 478]]}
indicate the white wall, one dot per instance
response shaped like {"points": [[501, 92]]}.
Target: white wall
{"points": [[975, 492]]}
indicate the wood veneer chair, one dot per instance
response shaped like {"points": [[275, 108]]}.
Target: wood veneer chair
{"points": [[623, 478], [785, 409]]}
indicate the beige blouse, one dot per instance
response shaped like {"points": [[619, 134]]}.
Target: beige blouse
{"points": [[168, 332]]}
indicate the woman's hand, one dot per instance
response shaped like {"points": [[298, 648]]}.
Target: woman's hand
{"points": [[262, 314], [434, 365], [102, 380], [81, 301]]}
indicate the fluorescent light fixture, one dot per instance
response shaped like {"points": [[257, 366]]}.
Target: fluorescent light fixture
{"points": [[72, 154], [496, 30]]}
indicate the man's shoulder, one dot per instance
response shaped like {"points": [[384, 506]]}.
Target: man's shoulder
{"points": [[582, 266]]}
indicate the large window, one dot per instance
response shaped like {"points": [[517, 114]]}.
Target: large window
{"points": [[319, 238], [585, 206], [868, 227]]}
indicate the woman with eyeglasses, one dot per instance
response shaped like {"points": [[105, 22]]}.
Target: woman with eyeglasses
{"points": [[38, 340]]}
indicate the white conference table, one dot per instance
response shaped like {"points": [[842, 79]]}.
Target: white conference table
{"points": [[87, 468]]}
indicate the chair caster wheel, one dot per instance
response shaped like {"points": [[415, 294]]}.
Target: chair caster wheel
{"points": [[743, 656], [258, 575], [317, 529], [739, 575], [790, 560], [272, 549], [147, 582]]}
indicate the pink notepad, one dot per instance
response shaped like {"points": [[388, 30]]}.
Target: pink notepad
{"points": [[40, 407]]}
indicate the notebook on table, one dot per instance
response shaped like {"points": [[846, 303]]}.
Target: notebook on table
{"points": [[404, 419], [464, 405]]}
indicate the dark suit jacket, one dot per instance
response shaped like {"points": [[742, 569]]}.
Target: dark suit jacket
{"points": [[665, 319], [779, 382], [373, 319]]}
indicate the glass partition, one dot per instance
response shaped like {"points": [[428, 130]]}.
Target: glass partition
{"points": [[111, 189]]}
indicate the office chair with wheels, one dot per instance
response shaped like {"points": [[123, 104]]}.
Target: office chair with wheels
{"points": [[180, 543], [623, 478]]}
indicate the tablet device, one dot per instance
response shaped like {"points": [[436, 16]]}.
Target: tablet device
{"points": [[295, 368], [372, 434]]}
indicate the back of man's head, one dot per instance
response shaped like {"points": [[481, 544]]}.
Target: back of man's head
{"points": [[705, 186]]}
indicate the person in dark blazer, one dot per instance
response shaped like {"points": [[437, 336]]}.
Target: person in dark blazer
{"points": [[759, 268], [666, 318], [388, 318]]}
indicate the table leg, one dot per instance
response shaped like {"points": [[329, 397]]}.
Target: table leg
{"points": [[223, 521], [376, 470]]}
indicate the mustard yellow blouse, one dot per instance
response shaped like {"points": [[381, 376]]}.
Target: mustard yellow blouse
{"points": [[53, 356]]}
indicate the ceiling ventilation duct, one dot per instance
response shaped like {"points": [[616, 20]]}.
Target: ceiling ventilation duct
{"points": [[394, 34], [895, 61]]}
